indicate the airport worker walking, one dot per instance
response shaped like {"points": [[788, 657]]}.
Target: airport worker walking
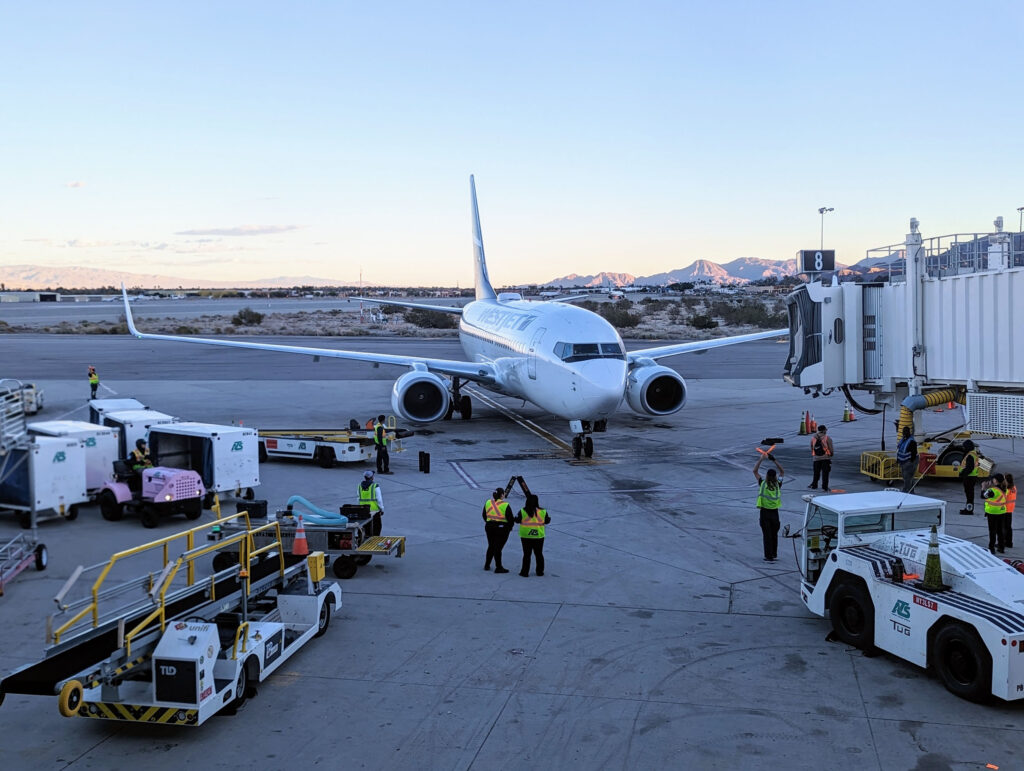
{"points": [[139, 457], [994, 493], [969, 475], [821, 453], [531, 519], [369, 495], [769, 501], [497, 526], [1011, 501], [94, 381], [906, 456], [380, 442]]}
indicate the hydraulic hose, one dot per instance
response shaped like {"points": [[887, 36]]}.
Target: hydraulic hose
{"points": [[316, 515], [920, 401], [860, 407]]}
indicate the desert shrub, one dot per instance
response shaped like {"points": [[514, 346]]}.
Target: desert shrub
{"points": [[752, 312], [703, 321], [247, 317], [674, 309], [654, 305], [390, 310], [184, 329], [620, 318], [426, 319]]}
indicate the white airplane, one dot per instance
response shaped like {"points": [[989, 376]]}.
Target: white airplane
{"points": [[568, 361]]}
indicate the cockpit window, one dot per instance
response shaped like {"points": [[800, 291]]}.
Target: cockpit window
{"points": [[570, 352]]}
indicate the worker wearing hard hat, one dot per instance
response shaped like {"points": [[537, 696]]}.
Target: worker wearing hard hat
{"points": [[769, 501], [497, 526], [94, 382], [369, 495]]}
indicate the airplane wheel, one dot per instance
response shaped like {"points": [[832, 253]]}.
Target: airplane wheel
{"points": [[344, 567], [451, 409], [853, 615], [70, 698], [962, 662], [149, 516], [42, 557], [577, 446], [111, 510], [324, 620], [466, 407], [588, 447]]}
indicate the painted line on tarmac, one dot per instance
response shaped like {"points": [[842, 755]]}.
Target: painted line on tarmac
{"points": [[526, 423], [470, 482]]}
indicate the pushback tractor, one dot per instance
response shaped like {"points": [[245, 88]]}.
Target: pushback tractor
{"points": [[170, 646], [881, 567]]}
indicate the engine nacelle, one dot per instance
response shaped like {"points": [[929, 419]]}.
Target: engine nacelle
{"points": [[655, 390], [420, 397]]}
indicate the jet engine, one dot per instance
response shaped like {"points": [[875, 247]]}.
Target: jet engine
{"points": [[420, 397], [655, 390]]}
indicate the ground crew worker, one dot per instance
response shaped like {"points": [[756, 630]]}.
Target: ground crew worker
{"points": [[369, 495], [821, 453], [380, 442], [906, 456], [94, 381], [531, 521], [497, 526], [969, 475], [994, 493], [769, 501], [1011, 501], [139, 457]]}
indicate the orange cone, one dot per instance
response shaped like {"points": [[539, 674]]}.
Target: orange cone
{"points": [[853, 417], [807, 421], [299, 546], [814, 424]]}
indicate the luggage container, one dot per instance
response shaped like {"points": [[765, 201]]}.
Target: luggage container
{"points": [[99, 406], [226, 457], [46, 477], [102, 445], [134, 425]]}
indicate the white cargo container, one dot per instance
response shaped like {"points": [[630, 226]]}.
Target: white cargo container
{"points": [[102, 445], [226, 457], [44, 477], [134, 425], [98, 406]]}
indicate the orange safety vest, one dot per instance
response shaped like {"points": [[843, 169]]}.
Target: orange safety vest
{"points": [[1011, 499], [532, 526], [824, 446], [494, 511]]}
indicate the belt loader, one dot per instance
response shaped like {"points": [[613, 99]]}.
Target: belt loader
{"points": [[861, 560], [171, 647]]}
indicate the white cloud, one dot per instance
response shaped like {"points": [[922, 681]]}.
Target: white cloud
{"points": [[239, 230], [74, 183]]}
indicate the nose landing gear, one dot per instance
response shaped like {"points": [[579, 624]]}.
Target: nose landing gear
{"points": [[582, 442]]}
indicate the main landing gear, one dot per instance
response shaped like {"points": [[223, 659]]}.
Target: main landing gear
{"points": [[582, 442], [459, 402]]}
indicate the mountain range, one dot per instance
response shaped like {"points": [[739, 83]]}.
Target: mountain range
{"points": [[15, 277], [738, 271]]}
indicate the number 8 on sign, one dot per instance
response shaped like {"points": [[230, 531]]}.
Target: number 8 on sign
{"points": [[818, 261]]}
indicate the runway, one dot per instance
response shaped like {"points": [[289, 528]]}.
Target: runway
{"points": [[656, 639]]}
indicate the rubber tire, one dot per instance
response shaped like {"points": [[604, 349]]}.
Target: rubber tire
{"points": [[325, 455], [70, 698], [958, 646], [262, 452], [111, 510], [344, 567], [577, 447], [250, 494], [222, 560], [450, 411], [72, 513], [42, 557], [149, 516], [465, 407], [192, 509], [241, 688], [324, 619], [25, 520], [363, 559], [853, 615], [588, 447]]}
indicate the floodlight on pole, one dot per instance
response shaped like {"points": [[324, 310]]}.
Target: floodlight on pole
{"points": [[1020, 224], [822, 211]]}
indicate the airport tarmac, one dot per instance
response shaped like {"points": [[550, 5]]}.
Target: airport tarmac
{"points": [[656, 639]]}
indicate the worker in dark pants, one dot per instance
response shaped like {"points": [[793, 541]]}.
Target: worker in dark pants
{"points": [[821, 454], [380, 442], [994, 493], [769, 501], [369, 495], [531, 519], [1011, 503], [497, 526], [94, 382], [906, 456], [969, 475]]}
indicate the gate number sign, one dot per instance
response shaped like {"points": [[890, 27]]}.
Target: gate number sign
{"points": [[816, 260]]}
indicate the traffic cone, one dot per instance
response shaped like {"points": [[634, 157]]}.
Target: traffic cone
{"points": [[814, 425], [299, 546], [852, 416], [807, 421], [803, 424], [933, 565], [846, 413], [949, 406]]}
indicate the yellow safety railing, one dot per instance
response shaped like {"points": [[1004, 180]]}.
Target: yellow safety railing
{"points": [[188, 557], [243, 627]]}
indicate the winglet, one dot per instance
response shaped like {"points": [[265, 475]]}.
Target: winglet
{"points": [[128, 313], [484, 290]]}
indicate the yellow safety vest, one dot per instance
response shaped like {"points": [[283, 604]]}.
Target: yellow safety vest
{"points": [[140, 460], [997, 503], [494, 511], [972, 454], [369, 495], [94, 379], [380, 438], [532, 527], [767, 498]]}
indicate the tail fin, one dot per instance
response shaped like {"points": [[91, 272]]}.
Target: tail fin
{"points": [[484, 290]]}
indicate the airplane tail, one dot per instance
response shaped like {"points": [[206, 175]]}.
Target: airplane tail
{"points": [[484, 290]]}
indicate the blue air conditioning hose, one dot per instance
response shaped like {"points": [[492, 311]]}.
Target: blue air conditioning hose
{"points": [[316, 515]]}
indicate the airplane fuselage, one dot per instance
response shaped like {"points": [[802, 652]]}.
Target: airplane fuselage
{"points": [[564, 359]]}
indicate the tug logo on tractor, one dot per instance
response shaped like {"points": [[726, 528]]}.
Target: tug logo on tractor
{"points": [[60, 457], [236, 447], [901, 610]]}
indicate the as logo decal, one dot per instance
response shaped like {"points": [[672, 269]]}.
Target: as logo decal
{"points": [[901, 609]]}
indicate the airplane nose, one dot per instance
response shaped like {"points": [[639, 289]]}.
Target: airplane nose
{"points": [[600, 387]]}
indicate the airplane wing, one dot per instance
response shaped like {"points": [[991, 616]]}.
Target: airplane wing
{"points": [[404, 304], [476, 371], [665, 351]]}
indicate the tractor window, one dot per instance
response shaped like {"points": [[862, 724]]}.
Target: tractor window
{"points": [[860, 524], [916, 520], [821, 519]]}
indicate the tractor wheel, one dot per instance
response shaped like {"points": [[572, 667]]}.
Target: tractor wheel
{"points": [[962, 662], [326, 457], [72, 513], [363, 559], [193, 509], [853, 615], [111, 510], [150, 517], [42, 557], [324, 620], [250, 494], [344, 567], [263, 453]]}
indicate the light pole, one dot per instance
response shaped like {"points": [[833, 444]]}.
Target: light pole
{"points": [[1020, 224], [822, 212]]}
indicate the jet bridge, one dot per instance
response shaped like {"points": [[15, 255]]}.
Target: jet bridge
{"points": [[936, 315]]}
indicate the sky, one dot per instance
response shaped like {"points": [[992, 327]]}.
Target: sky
{"points": [[220, 140]]}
